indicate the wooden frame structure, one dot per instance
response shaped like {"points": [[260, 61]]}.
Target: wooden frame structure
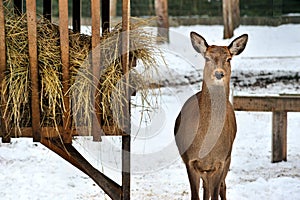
{"points": [[46, 135], [279, 106]]}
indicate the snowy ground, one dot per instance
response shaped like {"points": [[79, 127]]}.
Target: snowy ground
{"points": [[30, 171]]}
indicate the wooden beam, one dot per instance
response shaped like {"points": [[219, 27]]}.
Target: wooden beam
{"points": [[279, 136], [70, 154], [267, 103], [54, 132], [34, 72], [3, 98], [126, 108], [64, 46], [96, 67]]}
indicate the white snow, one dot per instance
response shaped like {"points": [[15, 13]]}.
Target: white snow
{"points": [[30, 171]]}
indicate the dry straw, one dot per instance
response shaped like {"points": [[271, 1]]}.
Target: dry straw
{"points": [[16, 87]]}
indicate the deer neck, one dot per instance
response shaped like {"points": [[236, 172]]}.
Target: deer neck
{"points": [[213, 109], [214, 94]]}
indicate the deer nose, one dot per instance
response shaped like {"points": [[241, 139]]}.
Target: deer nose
{"points": [[219, 75]]}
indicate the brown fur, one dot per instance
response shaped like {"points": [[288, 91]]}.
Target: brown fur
{"points": [[205, 128]]}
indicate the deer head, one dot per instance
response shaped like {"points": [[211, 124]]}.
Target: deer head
{"points": [[217, 69]]}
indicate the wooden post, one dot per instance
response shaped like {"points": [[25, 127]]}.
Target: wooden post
{"points": [[33, 61], [113, 8], [64, 46], [279, 136], [76, 15], [96, 67], [231, 17], [126, 113], [161, 9], [4, 125]]}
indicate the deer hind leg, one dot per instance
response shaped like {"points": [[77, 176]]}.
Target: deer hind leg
{"points": [[194, 179]]}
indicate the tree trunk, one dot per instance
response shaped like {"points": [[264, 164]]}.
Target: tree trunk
{"points": [[231, 17], [161, 9]]}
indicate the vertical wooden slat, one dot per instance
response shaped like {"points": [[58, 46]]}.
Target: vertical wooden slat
{"points": [[64, 45], [76, 15], [4, 131], [47, 9], [279, 136], [105, 13], [32, 46], [95, 8], [127, 127]]}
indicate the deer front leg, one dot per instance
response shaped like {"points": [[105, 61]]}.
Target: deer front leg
{"points": [[194, 179], [223, 190]]}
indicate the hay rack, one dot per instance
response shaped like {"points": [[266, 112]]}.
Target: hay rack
{"points": [[46, 135]]}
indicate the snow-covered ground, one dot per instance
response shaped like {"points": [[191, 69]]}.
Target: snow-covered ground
{"points": [[30, 171]]}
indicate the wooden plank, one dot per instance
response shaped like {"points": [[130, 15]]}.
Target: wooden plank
{"points": [[47, 9], [3, 99], [279, 136], [126, 112], [76, 15], [33, 61], [64, 46], [96, 67], [126, 167], [53, 132], [267, 103]]}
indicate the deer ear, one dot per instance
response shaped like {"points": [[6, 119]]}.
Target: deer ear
{"points": [[238, 45], [199, 43]]}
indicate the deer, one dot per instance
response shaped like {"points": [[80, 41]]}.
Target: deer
{"points": [[205, 128]]}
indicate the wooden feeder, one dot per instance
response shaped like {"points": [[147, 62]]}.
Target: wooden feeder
{"points": [[46, 135]]}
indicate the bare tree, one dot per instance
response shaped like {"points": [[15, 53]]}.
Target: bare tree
{"points": [[161, 9]]}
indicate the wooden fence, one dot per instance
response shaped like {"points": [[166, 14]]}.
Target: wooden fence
{"points": [[279, 106], [48, 135]]}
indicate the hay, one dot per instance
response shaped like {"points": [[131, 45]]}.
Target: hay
{"points": [[16, 87]]}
